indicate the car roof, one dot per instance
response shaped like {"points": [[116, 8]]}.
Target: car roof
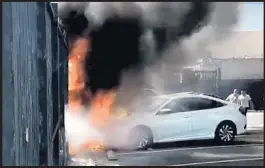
{"points": [[174, 94], [192, 94]]}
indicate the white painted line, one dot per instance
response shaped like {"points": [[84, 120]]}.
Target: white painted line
{"points": [[112, 165], [181, 149], [218, 161], [255, 141], [207, 155], [239, 136]]}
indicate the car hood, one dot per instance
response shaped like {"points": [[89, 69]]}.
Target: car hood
{"points": [[133, 118], [140, 115]]}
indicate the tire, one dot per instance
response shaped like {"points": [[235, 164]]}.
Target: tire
{"points": [[140, 138], [225, 133]]}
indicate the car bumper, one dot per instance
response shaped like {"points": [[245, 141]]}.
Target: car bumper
{"points": [[241, 130]]}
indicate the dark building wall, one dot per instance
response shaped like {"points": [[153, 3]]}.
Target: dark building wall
{"points": [[243, 73], [33, 78], [254, 87], [212, 84]]}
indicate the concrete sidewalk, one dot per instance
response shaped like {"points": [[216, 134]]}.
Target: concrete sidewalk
{"points": [[255, 120]]}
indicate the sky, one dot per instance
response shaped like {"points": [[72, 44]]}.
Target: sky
{"points": [[251, 16]]}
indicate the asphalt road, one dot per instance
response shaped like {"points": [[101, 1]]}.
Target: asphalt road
{"points": [[247, 150], [194, 156]]}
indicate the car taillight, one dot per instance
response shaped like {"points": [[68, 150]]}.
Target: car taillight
{"points": [[242, 110]]}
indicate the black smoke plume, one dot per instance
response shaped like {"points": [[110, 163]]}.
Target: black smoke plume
{"points": [[115, 30]]}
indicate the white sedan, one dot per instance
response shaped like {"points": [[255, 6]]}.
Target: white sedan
{"points": [[179, 117]]}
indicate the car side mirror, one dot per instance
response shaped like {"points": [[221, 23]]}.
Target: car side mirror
{"points": [[164, 111]]}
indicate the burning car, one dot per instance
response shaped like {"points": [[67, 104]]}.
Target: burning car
{"points": [[105, 42], [178, 117]]}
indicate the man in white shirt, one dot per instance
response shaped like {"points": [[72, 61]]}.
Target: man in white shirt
{"points": [[233, 98], [245, 100]]}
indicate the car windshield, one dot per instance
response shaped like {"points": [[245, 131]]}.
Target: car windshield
{"points": [[151, 105]]}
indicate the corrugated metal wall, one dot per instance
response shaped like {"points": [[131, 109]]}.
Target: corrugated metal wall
{"points": [[34, 78]]}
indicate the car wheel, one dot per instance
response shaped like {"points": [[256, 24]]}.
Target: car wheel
{"points": [[225, 132], [140, 138]]}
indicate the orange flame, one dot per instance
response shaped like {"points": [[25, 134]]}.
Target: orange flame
{"points": [[102, 102], [76, 73], [101, 108]]}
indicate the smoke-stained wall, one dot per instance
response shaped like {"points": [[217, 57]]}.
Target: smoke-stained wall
{"points": [[34, 68]]}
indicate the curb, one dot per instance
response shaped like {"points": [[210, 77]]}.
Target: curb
{"points": [[255, 127], [255, 121]]}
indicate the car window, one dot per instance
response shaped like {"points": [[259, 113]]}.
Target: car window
{"points": [[150, 105], [192, 104], [176, 105]]}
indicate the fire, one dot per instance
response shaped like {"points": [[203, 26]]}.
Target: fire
{"points": [[77, 94], [101, 103], [101, 108], [96, 145]]}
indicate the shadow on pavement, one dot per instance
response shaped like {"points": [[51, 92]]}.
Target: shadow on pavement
{"points": [[252, 137], [197, 143], [202, 143]]}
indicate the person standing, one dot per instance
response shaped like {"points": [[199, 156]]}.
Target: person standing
{"points": [[233, 97], [245, 100]]}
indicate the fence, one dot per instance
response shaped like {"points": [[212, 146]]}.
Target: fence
{"points": [[34, 79], [204, 81], [208, 81]]}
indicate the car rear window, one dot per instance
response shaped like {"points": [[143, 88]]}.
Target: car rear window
{"points": [[214, 96]]}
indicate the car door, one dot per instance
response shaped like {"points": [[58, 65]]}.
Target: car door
{"points": [[204, 115], [174, 122]]}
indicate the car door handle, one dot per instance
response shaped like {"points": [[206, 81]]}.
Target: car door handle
{"points": [[185, 116]]}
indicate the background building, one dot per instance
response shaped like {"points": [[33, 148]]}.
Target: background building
{"points": [[241, 62], [235, 62], [240, 59]]}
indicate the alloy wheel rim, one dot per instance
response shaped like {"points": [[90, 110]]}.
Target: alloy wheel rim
{"points": [[226, 133], [143, 142]]}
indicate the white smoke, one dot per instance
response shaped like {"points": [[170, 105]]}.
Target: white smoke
{"points": [[221, 23], [78, 129], [223, 19]]}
